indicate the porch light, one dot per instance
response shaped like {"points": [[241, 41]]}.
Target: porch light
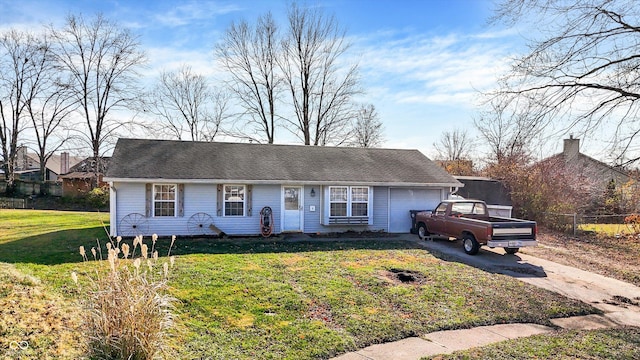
{"points": [[313, 192]]}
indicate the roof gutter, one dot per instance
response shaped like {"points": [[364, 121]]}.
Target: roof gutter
{"points": [[282, 182]]}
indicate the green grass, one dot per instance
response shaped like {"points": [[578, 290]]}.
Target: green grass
{"points": [[614, 344], [48, 237], [606, 229], [255, 299], [274, 299]]}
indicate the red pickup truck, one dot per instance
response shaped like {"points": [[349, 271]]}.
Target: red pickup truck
{"points": [[470, 221]]}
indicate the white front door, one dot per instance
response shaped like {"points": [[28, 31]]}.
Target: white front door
{"points": [[292, 208]]}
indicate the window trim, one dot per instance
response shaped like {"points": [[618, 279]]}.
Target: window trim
{"points": [[350, 201], [225, 201], [346, 202], [155, 201]]}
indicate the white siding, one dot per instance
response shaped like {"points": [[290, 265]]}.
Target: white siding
{"points": [[381, 208], [262, 195], [312, 218], [390, 209], [401, 200], [198, 198], [130, 199]]}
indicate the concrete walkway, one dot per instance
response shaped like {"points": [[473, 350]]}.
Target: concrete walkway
{"points": [[619, 301]]}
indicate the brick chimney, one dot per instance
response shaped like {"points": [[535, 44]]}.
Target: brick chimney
{"points": [[22, 161], [571, 148], [64, 163]]}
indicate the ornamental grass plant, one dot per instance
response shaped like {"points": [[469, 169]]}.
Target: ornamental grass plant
{"points": [[125, 301]]}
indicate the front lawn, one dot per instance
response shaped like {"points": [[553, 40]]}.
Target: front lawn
{"points": [[320, 303], [275, 299]]}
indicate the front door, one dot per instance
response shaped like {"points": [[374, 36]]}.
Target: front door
{"points": [[293, 208]]}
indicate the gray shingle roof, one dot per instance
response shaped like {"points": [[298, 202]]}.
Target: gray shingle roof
{"points": [[186, 160]]}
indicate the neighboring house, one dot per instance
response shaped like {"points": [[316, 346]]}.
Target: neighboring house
{"points": [[596, 178], [27, 165], [194, 188], [82, 176], [596, 170]]}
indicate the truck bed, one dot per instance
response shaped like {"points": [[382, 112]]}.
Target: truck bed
{"points": [[469, 220]]}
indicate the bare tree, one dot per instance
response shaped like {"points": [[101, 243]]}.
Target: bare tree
{"points": [[49, 101], [367, 128], [187, 105], [508, 132], [584, 70], [454, 145], [321, 87], [101, 59], [19, 79], [249, 55]]}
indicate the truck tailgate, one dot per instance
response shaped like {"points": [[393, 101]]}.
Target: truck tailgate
{"points": [[513, 235], [507, 231]]}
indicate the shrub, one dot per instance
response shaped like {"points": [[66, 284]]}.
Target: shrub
{"points": [[127, 309], [98, 198], [633, 223]]}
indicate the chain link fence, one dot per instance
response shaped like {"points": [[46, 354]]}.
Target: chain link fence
{"points": [[575, 223]]}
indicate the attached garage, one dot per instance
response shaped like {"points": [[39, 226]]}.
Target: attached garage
{"points": [[401, 200]]}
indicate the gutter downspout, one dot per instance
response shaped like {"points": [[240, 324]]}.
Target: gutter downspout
{"points": [[113, 195]]}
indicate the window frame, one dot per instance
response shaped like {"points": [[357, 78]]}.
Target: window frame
{"points": [[350, 201], [164, 201], [225, 201], [441, 210], [345, 202]]}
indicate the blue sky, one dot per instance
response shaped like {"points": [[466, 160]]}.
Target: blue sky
{"points": [[421, 62]]}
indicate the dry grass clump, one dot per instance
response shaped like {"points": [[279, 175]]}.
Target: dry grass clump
{"points": [[129, 311], [34, 322]]}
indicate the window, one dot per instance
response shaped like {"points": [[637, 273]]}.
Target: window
{"points": [[338, 200], [359, 201], [441, 209], [478, 209], [164, 199], [349, 201], [234, 200], [467, 208]]}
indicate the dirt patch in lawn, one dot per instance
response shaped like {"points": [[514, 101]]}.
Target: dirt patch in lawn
{"points": [[402, 276], [616, 257]]}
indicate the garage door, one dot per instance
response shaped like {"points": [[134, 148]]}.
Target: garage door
{"points": [[403, 200]]}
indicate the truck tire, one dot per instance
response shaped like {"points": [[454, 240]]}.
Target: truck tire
{"points": [[510, 250], [470, 245], [423, 233]]}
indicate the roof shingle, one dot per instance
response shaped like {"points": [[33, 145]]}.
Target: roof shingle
{"points": [[188, 160]]}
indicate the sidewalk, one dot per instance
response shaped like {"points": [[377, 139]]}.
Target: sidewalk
{"points": [[597, 290]]}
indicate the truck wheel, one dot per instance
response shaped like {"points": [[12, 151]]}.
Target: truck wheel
{"points": [[511, 251], [470, 245], [423, 232]]}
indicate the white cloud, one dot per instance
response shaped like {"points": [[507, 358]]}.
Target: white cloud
{"points": [[189, 12], [168, 59], [432, 70]]}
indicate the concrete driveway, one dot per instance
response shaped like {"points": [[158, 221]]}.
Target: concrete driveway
{"points": [[620, 301]]}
